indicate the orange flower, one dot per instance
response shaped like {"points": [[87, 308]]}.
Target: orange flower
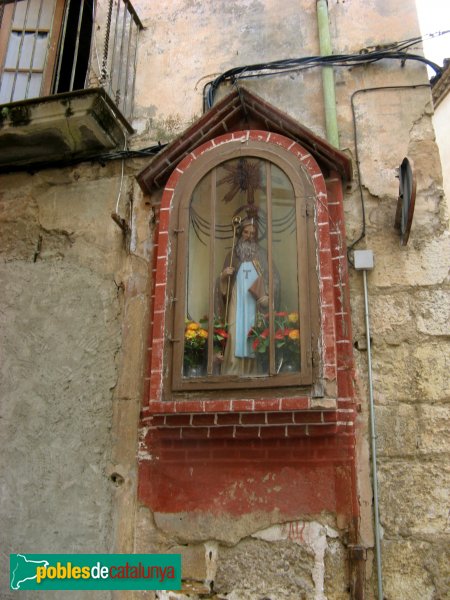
{"points": [[294, 334], [202, 333], [189, 334], [193, 326]]}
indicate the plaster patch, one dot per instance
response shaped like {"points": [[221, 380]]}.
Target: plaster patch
{"points": [[311, 535], [143, 453], [211, 559]]}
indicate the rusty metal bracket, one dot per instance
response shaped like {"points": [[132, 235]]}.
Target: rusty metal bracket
{"points": [[121, 223], [357, 558]]}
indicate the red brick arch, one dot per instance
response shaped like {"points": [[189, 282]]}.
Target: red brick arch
{"points": [[331, 267], [226, 439]]}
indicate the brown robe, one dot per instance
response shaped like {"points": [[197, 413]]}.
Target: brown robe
{"points": [[233, 365]]}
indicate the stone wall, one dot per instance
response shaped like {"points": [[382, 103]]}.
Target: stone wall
{"points": [[66, 297], [75, 319], [408, 288]]}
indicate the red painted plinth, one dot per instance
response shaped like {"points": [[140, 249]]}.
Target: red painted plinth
{"points": [[294, 476]]}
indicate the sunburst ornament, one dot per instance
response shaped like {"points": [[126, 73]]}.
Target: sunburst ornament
{"points": [[244, 176]]}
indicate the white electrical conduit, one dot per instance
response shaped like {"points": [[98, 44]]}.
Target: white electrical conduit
{"points": [[373, 439]]}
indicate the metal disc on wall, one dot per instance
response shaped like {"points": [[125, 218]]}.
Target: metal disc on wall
{"points": [[406, 199]]}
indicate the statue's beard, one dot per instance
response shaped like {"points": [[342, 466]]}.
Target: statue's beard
{"points": [[246, 250]]}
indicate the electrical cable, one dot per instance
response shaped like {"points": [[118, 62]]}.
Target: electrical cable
{"points": [[351, 246], [391, 51], [100, 158], [394, 50], [122, 175]]}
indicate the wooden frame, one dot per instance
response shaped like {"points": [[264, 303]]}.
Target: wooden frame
{"points": [[54, 34], [307, 276]]}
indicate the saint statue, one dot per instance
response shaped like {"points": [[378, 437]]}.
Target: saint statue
{"points": [[242, 291]]}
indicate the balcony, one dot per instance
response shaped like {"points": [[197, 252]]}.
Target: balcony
{"points": [[67, 81]]}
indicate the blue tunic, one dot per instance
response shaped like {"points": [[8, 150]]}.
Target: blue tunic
{"points": [[245, 309]]}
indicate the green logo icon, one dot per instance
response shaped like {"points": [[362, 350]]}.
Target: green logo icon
{"points": [[95, 571]]}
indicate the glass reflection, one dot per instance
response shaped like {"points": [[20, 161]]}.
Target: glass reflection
{"points": [[243, 253], [197, 284], [284, 235]]}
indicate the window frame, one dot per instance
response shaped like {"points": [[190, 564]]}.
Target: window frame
{"points": [[307, 265], [49, 68]]}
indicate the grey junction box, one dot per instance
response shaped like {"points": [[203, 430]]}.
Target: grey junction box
{"points": [[363, 260]]}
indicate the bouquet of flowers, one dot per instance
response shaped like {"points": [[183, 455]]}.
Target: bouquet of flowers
{"points": [[195, 343], [287, 336], [220, 333], [259, 334]]}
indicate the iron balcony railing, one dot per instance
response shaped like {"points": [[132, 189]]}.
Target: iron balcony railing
{"points": [[118, 69]]}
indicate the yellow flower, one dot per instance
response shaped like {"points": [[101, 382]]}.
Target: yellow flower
{"points": [[189, 334], [294, 334], [293, 317], [193, 326], [202, 333]]}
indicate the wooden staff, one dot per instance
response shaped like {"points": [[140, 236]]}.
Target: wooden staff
{"points": [[235, 221]]}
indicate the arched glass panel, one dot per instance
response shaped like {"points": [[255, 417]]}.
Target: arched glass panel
{"points": [[242, 285]]}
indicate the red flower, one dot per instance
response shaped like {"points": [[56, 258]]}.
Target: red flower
{"points": [[265, 333], [279, 334], [221, 332], [255, 344]]}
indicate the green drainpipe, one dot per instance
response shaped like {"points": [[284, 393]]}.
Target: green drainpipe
{"points": [[327, 74]]}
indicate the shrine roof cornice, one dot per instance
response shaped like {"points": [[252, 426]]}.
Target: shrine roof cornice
{"points": [[241, 109]]}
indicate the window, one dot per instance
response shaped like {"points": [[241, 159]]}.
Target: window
{"points": [[30, 37], [243, 306]]}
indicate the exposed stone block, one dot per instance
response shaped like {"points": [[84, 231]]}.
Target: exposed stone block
{"points": [[193, 561], [134, 339], [414, 265], [434, 429], [432, 309], [391, 381], [390, 314], [414, 497], [287, 569], [336, 570], [73, 208], [415, 569], [397, 430], [432, 369]]}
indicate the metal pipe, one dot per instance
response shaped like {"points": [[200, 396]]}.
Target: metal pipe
{"points": [[119, 76], [126, 86], [130, 112], [373, 439], [329, 94], [113, 58]]}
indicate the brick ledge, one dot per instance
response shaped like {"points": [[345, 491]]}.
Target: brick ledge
{"points": [[238, 405]]}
